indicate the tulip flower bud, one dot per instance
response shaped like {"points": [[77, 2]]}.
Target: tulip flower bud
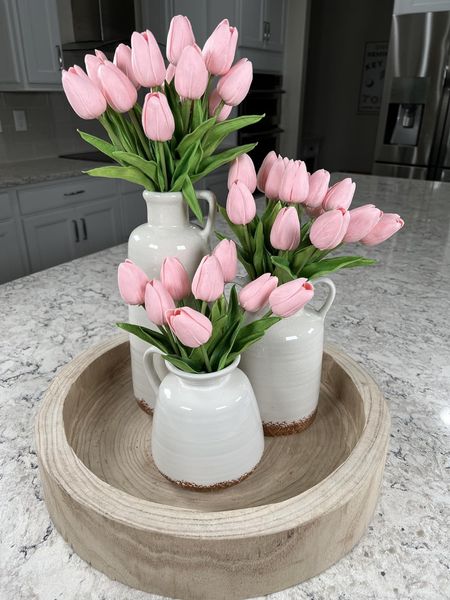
{"points": [[208, 281], [290, 297], [157, 118], [234, 85], [226, 254], [170, 73], [362, 220], [180, 35], [93, 63], [83, 95], [157, 302], [329, 228], [285, 232], [255, 295], [318, 187], [340, 195], [274, 177], [118, 90], [389, 224], [242, 169], [132, 282], [264, 169], [191, 327], [214, 101], [122, 60], [147, 60], [294, 186], [175, 278], [191, 76], [241, 206], [220, 48]]}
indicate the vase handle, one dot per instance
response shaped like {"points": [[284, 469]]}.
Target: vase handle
{"points": [[211, 219], [330, 298], [150, 356]]}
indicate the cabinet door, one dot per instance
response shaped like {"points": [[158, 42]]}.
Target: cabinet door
{"points": [[12, 263], [40, 39], [52, 238], [197, 13], [156, 15], [251, 18], [134, 212], [9, 64], [99, 224], [274, 16]]}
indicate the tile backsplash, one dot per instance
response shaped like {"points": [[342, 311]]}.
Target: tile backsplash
{"points": [[51, 126]]}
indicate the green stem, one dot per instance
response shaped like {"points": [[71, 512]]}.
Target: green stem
{"points": [[204, 307], [167, 331], [109, 130], [138, 128], [205, 356], [163, 164], [247, 240]]}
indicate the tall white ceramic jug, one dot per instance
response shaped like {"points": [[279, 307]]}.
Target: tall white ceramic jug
{"points": [[207, 431], [168, 232], [284, 368]]}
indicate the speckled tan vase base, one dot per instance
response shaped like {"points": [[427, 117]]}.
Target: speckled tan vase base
{"points": [[284, 428], [145, 407], [209, 488]]}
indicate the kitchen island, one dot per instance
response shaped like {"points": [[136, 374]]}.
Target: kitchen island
{"points": [[392, 318]]}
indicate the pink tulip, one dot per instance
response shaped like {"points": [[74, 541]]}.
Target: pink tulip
{"points": [[290, 297], [122, 60], [191, 327], [362, 220], [275, 176], [389, 224], [93, 63], [234, 85], [118, 90], [242, 169], [294, 186], [157, 302], [264, 169], [226, 254], [329, 228], [318, 187], [191, 76], [255, 294], [340, 195], [157, 118], [285, 232], [220, 48], [180, 35], [83, 95], [241, 206], [132, 282], [174, 278], [170, 73], [147, 60], [208, 281], [214, 101]]}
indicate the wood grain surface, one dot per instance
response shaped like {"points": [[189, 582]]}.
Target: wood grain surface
{"points": [[305, 506]]}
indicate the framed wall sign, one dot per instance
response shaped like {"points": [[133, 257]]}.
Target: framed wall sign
{"points": [[372, 78]]}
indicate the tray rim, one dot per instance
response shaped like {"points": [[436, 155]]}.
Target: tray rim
{"points": [[88, 490]]}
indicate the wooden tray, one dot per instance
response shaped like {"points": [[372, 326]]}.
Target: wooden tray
{"points": [[306, 505]]}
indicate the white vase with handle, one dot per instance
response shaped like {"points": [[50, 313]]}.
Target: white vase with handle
{"points": [[207, 431], [168, 232], [284, 368]]}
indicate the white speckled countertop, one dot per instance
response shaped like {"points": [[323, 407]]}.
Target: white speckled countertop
{"points": [[393, 318]]}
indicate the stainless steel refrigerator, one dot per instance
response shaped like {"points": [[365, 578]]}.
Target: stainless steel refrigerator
{"points": [[413, 138]]}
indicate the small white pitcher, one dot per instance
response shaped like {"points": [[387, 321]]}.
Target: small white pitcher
{"points": [[284, 368], [207, 431]]}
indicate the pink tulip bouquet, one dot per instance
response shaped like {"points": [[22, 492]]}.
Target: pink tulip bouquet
{"points": [[196, 327], [172, 141], [304, 220]]}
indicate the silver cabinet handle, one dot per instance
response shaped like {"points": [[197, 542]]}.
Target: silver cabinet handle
{"points": [[77, 233], [266, 31], [77, 193], [60, 57], [83, 224]]}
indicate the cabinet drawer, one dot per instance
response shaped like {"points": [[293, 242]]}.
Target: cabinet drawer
{"points": [[63, 193], [5, 206]]}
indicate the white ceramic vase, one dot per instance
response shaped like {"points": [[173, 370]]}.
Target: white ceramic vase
{"points": [[207, 431], [168, 232], [284, 368]]}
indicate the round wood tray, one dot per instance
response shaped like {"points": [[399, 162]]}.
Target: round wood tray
{"points": [[306, 505]]}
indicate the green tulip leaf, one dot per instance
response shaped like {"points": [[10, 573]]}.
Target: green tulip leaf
{"points": [[191, 198], [301, 258], [148, 167], [259, 256], [98, 143], [283, 264], [195, 136], [210, 163], [147, 335], [330, 265], [184, 166], [220, 131], [128, 173], [184, 364]]}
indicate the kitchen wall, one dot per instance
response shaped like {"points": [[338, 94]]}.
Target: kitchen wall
{"points": [[51, 126], [338, 32]]}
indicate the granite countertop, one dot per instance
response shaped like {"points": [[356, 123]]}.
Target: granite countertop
{"points": [[42, 169], [391, 318]]}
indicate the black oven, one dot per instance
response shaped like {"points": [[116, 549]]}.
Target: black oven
{"points": [[264, 97]]}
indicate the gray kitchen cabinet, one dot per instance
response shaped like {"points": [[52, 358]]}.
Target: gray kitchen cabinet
{"points": [[99, 225], [262, 24], [134, 209], [275, 17], [12, 263]]}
